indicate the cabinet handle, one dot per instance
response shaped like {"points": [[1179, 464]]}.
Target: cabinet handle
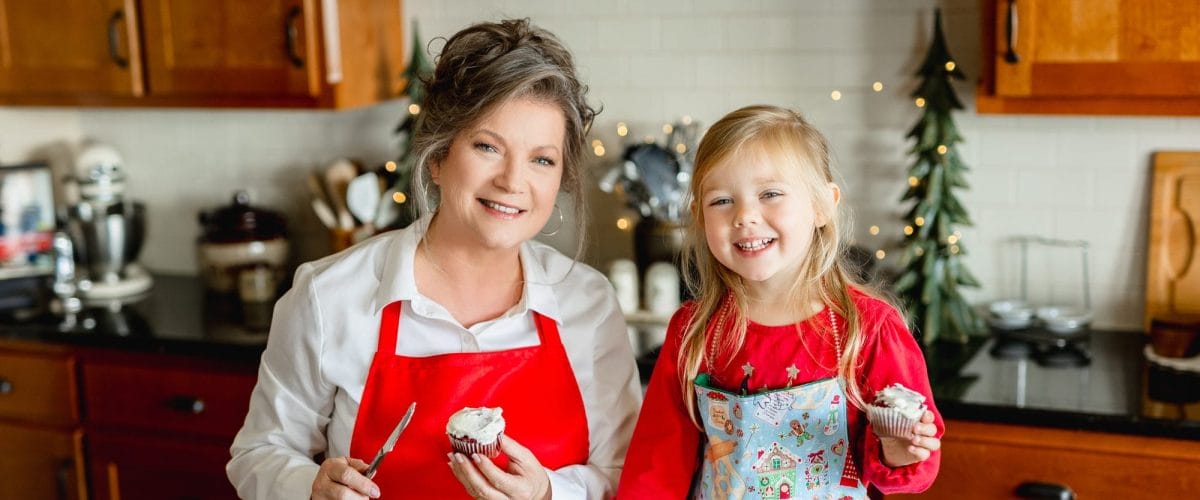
{"points": [[1036, 490], [6, 387], [63, 478], [114, 38], [290, 34], [1010, 32], [187, 404]]}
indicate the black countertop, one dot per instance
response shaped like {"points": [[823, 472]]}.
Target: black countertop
{"points": [[1111, 393], [177, 316]]}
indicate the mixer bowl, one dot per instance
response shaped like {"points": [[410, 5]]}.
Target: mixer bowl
{"points": [[107, 236]]}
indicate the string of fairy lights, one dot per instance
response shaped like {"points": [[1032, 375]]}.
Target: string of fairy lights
{"points": [[624, 222]]}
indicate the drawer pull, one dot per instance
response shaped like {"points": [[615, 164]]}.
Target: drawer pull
{"points": [[187, 404], [6, 387], [1036, 490]]}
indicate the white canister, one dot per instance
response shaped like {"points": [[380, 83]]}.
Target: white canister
{"points": [[623, 274], [662, 289]]}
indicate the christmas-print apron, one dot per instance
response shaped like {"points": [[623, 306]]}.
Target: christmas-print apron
{"points": [[535, 386], [785, 443]]}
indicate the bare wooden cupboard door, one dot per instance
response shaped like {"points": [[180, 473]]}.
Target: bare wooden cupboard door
{"points": [[232, 47], [69, 47], [36, 462], [1077, 48]]}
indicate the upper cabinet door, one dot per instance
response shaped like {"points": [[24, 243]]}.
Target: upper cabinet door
{"points": [[83, 48], [1097, 48], [232, 48]]}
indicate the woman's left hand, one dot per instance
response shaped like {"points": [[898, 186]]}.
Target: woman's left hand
{"points": [[525, 479], [898, 452]]}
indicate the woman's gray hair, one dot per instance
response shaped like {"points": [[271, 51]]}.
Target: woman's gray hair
{"points": [[484, 66]]}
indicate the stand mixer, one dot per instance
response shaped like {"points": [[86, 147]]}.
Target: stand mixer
{"points": [[106, 230]]}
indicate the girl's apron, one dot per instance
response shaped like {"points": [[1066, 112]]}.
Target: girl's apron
{"points": [[535, 386], [780, 444]]}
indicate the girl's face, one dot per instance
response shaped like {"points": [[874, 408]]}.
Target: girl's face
{"points": [[758, 221], [500, 177]]}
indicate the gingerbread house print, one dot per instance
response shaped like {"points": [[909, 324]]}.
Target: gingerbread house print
{"points": [[776, 467]]}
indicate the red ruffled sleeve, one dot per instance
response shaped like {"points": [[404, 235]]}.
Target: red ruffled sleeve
{"points": [[662, 456], [891, 355]]}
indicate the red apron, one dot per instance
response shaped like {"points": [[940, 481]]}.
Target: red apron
{"points": [[535, 386]]}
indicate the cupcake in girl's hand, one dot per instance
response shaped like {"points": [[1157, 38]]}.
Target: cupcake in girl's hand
{"points": [[896, 411], [476, 430]]}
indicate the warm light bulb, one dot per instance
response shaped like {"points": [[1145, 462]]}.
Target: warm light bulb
{"points": [[681, 148], [913, 181], [599, 150], [877, 86], [920, 251], [667, 128], [950, 65], [908, 230], [399, 197], [686, 120], [874, 230], [952, 239], [941, 149], [597, 143], [920, 221], [622, 130], [836, 95], [390, 166], [880, 254], [954, 249], [920, 102], [414, 109], [622, 223]]}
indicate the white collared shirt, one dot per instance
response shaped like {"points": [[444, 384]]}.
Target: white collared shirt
{"points": [[326, 328]]}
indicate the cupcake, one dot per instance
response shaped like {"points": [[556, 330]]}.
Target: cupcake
{"points": [[896, 411], [476, 430]]}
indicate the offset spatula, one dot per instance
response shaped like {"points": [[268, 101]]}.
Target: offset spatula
{"points": [[391, 441]]}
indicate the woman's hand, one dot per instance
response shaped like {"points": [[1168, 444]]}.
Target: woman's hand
{"points": [[342, 478], [898, 452], [525, 479]]}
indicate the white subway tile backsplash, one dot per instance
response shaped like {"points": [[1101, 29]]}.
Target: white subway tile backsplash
{"points": [[635, 34], [670, 72], [693, 34], [1018, 149], [1096, 149], [806, 70], [729, 71], [761, 33]]}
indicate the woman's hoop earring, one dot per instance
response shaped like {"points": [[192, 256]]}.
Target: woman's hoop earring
{"points": [[560, 223]]}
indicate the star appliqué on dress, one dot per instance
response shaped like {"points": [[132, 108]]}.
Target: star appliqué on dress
{"points": [[792, 372], [748, 369]]}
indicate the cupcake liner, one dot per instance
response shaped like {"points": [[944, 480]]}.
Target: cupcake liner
{"points": [[890, 422], [468, 446]]}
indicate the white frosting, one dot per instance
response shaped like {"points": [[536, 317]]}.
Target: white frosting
{"points": [[480, 424], [908, 402]]}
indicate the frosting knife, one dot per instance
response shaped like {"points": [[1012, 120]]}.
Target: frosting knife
{"points": [[391, 442]]}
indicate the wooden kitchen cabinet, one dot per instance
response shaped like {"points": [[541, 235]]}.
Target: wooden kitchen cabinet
{"points": [[981, 460], [41, 447], [212, 53], [68, 48], [161, 428], [1091, 57]]}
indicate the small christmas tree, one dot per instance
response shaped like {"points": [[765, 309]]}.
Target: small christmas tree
{"points": [[414, 86], [933, 248]]}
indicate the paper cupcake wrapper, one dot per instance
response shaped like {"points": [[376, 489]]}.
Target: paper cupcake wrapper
{"points": [[469, 447], [889, 422]]}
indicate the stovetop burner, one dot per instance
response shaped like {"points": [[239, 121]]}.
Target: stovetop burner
{"points": [[1046, 348]]}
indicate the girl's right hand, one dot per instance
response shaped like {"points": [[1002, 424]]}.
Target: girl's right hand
{"points": [[342, 478]]}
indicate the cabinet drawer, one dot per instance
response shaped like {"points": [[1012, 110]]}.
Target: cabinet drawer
{"points": [[38, 389], [202, 402], [37, 463], [990, 461]]}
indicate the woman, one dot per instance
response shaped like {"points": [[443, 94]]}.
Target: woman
{"points": [[460, 309]]}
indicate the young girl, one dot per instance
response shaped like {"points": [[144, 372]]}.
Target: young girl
{"points": [[760, 388]]}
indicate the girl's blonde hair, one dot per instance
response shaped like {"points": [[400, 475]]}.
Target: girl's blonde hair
{"points": [[798, 149]]}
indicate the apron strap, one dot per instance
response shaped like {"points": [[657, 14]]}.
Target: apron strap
{"points": [[389, 328]]}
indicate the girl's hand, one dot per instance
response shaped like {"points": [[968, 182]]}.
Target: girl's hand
{"points": [[898, 452], [525, 479], [341, 478]]}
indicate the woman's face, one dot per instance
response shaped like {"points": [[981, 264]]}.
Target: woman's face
{"points": [[500, 177]]}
